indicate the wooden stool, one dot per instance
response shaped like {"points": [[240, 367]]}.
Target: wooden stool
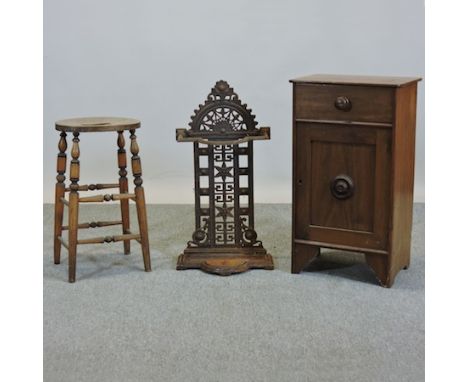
{"points": [[88, 125]]}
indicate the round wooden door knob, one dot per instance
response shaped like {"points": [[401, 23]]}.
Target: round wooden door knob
{"points": [[343, 103], [342, 187]]}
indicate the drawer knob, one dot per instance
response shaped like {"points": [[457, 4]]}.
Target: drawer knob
{"points": [[342, 187], [343, 103]]}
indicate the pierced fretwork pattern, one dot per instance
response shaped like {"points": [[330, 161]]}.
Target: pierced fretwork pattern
{"points": [[223, 113], [223, 119], [224, 215], [224, 201], [223, 182]]}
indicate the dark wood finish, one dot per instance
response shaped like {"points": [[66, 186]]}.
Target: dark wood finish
{"points": [[404, 139], [96, 124], [222, 131], [353, 169], [359, 153], [262, 133], [365, 104], [343, 79], [115, 124], [303, 256]]}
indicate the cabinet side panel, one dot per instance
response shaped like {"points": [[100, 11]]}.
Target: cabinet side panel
{"points": [[293, 169], [403, 176]]}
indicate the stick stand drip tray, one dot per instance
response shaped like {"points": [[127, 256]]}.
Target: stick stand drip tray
{"points": [[224, 264]]}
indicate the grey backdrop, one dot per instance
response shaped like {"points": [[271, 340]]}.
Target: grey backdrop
{"points": [[157, 60]]}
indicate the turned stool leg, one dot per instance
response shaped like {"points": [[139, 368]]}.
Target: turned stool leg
{"points": [[73, 208], [123, 188], [59, 194], [140, 201]]}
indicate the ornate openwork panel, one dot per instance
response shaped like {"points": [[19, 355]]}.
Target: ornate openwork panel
{"points": [[222, 130], [224, 197], [222, 115]]}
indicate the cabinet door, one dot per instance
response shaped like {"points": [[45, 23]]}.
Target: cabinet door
{"points": [[342, 185]]}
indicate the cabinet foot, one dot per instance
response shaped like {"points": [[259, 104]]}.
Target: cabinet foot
{"points": [[302, 256], [380, 266], [407, 265]]}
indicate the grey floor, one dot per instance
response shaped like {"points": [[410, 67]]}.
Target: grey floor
{"points": [[118, 323]]}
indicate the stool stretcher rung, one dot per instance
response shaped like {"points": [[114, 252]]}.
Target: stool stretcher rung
{"points": [[64, 201], [109, 239], [105, 198], [65, 244], [96, 224], [127, 231], [92, 187]]}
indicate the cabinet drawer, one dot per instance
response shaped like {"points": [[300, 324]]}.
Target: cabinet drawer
{"points": [[343, 103]]}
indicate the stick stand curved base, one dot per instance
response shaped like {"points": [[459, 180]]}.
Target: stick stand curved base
{"points": [[225, 261]]}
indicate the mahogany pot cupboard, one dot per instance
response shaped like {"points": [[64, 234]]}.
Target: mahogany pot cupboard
{"points": [[353, 167]]}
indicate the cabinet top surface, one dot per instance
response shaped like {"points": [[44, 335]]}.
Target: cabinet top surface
{"points": [[356, 80]]}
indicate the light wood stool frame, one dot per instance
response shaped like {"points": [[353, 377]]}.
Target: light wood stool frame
{"points": [[75, 126]]}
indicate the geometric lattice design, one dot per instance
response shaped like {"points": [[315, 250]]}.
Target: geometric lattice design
{"points": [[224, 241], [224, 196], [223, 200]]}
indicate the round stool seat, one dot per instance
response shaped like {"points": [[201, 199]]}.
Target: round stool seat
{"points": [[96, 124]]}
